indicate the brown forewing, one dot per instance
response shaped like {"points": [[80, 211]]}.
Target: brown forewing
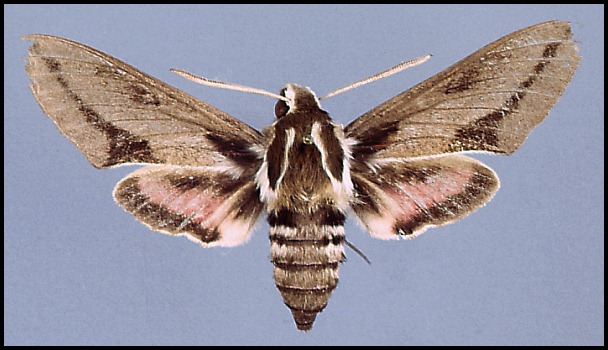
{"points": [[117, 114], [489, 101]]}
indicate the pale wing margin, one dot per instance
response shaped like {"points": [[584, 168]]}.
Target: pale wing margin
{"points": [[208, 206], [116, 114], [489, 101], [404, 198]]}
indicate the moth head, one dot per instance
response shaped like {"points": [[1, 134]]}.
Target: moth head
{"points": [[299, 97]]}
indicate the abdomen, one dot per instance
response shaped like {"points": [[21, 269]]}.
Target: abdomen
{"points": [[306, 250]]}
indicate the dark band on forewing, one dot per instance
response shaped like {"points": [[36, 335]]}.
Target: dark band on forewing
{"points": [[235, 149], [373, 140], [123, 146], [142, 95], [465, 81], [483, 132]]}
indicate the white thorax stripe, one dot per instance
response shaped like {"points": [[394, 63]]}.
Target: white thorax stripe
{"points": [[267, 194], [342, 189]]}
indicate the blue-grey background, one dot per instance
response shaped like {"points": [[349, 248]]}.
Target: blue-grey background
{"points": [[526, 269]]}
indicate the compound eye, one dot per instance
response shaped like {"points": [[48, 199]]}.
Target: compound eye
{"points": [[280, 109]]}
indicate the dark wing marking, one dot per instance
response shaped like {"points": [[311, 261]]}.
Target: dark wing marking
{"points": [[489, 101], [210, 207], [116, 114], [403, 198]]}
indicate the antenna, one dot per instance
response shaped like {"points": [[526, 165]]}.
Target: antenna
{"points": [[231, 86], [396, 69], [223, 85]]}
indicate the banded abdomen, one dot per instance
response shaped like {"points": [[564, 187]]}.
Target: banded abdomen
{"points": [[306, 250], [305, 183]]}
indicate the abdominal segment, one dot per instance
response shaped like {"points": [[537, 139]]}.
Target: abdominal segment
{"points": [[306, 251]]}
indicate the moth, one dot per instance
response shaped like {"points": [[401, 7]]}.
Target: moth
{"points": [[398, 168]]}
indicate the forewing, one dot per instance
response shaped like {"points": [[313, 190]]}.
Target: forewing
{"points": [[404, 198], [117, 114], [210, 207], [489, 101]]}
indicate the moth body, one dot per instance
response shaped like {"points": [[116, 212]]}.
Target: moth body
{"points": [[305, 183]]}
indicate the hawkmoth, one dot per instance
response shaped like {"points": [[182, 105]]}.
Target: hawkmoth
{"points": [[398, 168]]}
